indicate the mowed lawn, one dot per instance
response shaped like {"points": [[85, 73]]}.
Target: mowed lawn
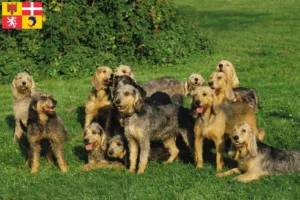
{"points": [[261, 39]]}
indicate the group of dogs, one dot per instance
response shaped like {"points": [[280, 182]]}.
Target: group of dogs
{"points": [[122, 118]]}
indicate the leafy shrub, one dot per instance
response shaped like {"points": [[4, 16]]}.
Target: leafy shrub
{"points": [[79, 35]]}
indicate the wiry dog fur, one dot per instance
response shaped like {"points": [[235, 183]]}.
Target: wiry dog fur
{"points": [[43, 124], [145, 122], [23, 88], [256, 159], [194, 81], [214, 120], [127, 80], [96, 141], [227, 67], [99, 104], [169, 85], [124, 70], [221, 85]]}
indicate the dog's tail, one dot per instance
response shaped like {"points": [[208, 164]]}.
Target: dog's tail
{"points": [[24, 128]]}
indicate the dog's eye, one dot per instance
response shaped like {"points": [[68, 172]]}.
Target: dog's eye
{"points": [[243, 131], [204, 94], [94, 132], [104, 71], [43, 98], [219, 77], [124, 71], [119, 144], [126, 94]]}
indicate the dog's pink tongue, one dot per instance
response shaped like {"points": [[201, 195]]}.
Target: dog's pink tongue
{"points": [[89, 147], [200, 110]]}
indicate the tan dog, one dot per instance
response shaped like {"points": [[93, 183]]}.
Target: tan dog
{"points": [[99, 103], [227, 67], [213, 121], [220, 84], [96, 141], [23, 88], [194, 81], [124, 70], [256, 159]]}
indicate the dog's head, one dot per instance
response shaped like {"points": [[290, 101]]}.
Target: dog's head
{"points": [[124, 70], [227, 67], [128, 100], [220, 84], [94, 137], [204, 99], [117, 147], [23, 84], [244, 137], [127, 80], [43, 104], [102, 78], [194, 81]]}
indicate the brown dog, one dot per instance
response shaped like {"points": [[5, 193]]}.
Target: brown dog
{"points": [[98, 106], [214, 120], [44, 125], [23, 88], [194, 81], [256, 159], [227, 67]]}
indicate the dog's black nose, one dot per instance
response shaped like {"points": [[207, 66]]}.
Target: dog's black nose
{"points": [[118, 101], [197, 103], [236, 137], [221, 66], [24, 83], [211, 83], [111, 152], [86, 141], [196, 79]]}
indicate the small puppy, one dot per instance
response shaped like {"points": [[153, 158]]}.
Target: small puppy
{"points": [[227, 67], [99, 104], [256, 159], [43, 124], [96, 141], [23, 88], [194, 81]]}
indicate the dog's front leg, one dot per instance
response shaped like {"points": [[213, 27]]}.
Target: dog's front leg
{"points": [[229, 172], [247, 177], [198, 145], [35, 149], [57, 148], [144, 155], [133, 153], [220, 150]]}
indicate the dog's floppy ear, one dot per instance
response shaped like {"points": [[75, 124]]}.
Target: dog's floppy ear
{"points": [[252, 146], [229, 92], [32, 89], [95, 82], [215, 105], [138, 101], [131, 74], [203, 83], [187, 87], [13, 87]]}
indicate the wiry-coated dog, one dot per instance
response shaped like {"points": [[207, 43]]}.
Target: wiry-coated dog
{"points": [[227, 67], [220, 84], [169, 85], [124, 70], [43, 124], [194, 81], [127, 80], [145, 122], [214, 120], [96, 141], [256, 159], [99, 104], [23, 88]]}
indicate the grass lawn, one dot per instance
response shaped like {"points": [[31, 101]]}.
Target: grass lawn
{"points": [[261, 39]]}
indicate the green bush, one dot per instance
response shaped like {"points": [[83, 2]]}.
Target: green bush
{"points": [[79, 35]]}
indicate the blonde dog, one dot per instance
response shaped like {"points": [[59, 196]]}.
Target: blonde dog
{"points": [[214, 120], [194, 81], [23, 88], [227, 67], [124, 70], [256, 159]]}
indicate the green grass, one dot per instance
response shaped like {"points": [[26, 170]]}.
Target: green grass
{"points": [[261, 39]]}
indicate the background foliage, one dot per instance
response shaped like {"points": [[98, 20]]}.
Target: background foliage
{"points": [[79, 35]]}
